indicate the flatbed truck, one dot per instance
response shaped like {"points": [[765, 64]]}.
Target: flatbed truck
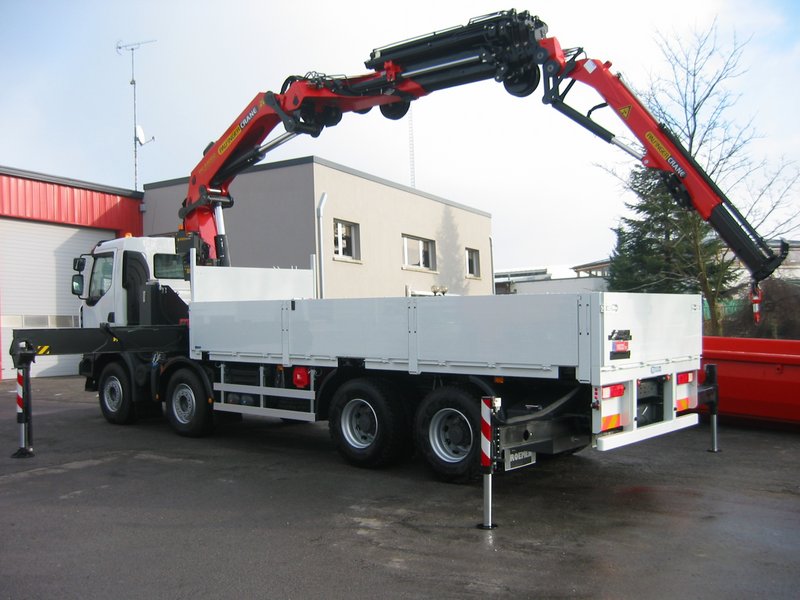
{"points": [[168, 321]]}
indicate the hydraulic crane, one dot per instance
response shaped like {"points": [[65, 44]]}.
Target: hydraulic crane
{"points": [[391, 372], [510, 47]]}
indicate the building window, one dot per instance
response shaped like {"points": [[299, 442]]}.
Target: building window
{"points": [[473, 263], [345, 240], [419, 253]]}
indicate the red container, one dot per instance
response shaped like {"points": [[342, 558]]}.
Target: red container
{"points": [[758, 378]]}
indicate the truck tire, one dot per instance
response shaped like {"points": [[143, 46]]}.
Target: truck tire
{"points": [[116, 395], [447, 429], [367, 423], [187, 407]]}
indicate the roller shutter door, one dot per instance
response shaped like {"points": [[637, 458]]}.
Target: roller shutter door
{"points": [[35, 272]]}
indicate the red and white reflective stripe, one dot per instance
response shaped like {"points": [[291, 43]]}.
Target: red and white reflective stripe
{"points": [[486, 432], [687, 398], [20, 401]]}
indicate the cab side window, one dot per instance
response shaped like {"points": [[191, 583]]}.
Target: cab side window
{"points": [[100, 283], [168, 266]]}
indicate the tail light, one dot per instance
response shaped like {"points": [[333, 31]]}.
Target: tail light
{"points": [[612, 391], [301, 377]]}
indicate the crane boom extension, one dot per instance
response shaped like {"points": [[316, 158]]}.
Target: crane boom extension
{"points": [[510, 47]]}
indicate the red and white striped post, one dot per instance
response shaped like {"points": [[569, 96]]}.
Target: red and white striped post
{"points": [[488, 404], [24, 404]]}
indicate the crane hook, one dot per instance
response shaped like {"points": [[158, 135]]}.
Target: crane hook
{"points": [[756, 297]]}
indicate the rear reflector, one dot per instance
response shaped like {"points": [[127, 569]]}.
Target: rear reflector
{"points": [[685, 377], [611, 422]]}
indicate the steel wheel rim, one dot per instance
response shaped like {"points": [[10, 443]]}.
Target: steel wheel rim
{"points": [[183, 403], [359, 423], [112, 394], [450, 434]]}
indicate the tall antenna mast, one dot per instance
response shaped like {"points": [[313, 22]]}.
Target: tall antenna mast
{"points": [[411, 162], [138, 133]]}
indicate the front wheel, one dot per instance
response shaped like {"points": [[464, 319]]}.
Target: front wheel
{"points": [[188, 410], [447, 429], [115, 393], [367, 423]]}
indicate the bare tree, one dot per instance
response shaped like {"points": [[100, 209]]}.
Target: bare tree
{"points": [[696, 102]]}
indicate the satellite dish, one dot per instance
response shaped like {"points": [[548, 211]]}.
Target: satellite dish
{"points": [[141, 139]]}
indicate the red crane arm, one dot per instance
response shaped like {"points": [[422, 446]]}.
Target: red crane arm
{"points": [[495, 46], [509, 46], [306, 106], [686, 180]]}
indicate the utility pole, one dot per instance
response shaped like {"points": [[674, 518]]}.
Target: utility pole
{"points": [[138, 132], [411, 160]]}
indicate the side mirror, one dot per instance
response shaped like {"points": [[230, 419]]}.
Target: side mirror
{"points": [[77, 284], [78, 264]]}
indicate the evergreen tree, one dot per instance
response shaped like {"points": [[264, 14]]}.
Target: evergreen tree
{"points": [[652, 254], [665, 248]]}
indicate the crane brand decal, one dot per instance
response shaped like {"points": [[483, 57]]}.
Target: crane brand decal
{"points": [[235, 133], [656, 143]]}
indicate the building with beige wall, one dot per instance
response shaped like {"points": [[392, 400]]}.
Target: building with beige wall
{"points": [[365, 236]]}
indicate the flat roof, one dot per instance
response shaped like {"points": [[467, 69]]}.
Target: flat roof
{"points": [[306, 160]]}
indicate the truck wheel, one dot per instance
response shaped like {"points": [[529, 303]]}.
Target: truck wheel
{"points": [[116, 398], [188, 410], [367, 423], [447, 429]]}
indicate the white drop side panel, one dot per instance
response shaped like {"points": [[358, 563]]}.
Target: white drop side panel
{"points": [[493, 335]]}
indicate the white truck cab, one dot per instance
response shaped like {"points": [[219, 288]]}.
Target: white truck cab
{"points": [[120, 273]]}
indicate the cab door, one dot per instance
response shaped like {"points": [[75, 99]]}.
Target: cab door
{"points": [[101, 304]]}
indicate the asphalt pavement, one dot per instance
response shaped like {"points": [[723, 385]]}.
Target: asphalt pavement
{"points": [[266, 509]]}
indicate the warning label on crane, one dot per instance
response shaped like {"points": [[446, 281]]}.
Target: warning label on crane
{"points": [[625, 111]]}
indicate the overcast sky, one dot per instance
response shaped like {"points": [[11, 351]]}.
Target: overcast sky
{"points": [[66, 105]]}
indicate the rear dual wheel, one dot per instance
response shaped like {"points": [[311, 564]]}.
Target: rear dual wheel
{"points": [[367, 423], [447, 429], [369, 426]]}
